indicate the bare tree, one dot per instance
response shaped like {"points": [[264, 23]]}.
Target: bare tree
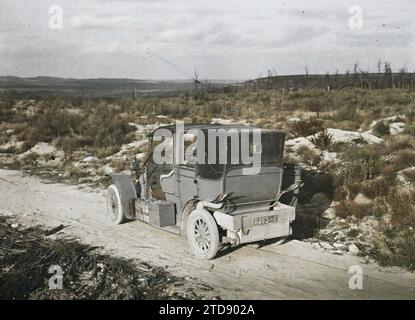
{"points": [[356, 67], [379, 66], [388, 75], [196, 80], [356, 74]]}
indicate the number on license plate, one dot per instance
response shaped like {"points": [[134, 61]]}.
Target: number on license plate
{"points": [[265, 220]]}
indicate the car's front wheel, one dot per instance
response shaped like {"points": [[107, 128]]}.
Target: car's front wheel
{"points": [[202, 234], [114, 207]]}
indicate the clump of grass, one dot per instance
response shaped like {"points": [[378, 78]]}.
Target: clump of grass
{"points": [[73, 171], [102, 127], [307, 127], [349, 208], [322, 140], [398, 144], [402, 207], [410, 175], [29, 159], [118, 165], [364, 163], [347, 118], [404, 159], [309, 156], [378, 187], [396, 249], [69, 144], [410, 129], [353, 189], [381, 128]]}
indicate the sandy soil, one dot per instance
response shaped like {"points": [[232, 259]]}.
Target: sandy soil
{"points": [[294, 270]]}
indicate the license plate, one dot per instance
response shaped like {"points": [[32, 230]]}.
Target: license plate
{"points": [[265, 220]]}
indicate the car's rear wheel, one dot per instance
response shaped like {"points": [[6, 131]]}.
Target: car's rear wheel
{"points": [[202, 234], [114, 207]]}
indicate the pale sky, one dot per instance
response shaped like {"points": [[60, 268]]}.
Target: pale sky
{"points": [[226, 39]]}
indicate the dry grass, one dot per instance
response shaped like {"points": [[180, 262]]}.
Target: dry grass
{"points": [[118, 165], [378, 187], [307, 127], [26, 255], [399, 143], [381, 128], [322, 140], [309, 156], [404, 159], [100, 127]]}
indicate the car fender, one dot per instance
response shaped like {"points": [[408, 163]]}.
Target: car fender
{"points": [[127, 192], [195, 205]]}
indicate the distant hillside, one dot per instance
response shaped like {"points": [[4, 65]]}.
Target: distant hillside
{"points": [[359, 79], [37, 87], [101, 87]]}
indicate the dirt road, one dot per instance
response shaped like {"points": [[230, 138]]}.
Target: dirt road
{"points": [[294, 270]]}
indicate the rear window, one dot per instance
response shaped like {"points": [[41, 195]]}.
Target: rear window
{"points": [[271, 149]]}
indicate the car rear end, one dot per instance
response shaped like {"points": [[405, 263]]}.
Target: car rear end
{"points": [[254, 211], [256, 225]]}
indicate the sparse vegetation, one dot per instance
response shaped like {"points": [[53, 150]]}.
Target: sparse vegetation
{"points": [[381, 128], [322, 140], [26, 255], [304, 128], [365, 177]]}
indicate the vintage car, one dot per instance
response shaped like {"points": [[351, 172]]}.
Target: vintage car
{"points": [[213, 203]]}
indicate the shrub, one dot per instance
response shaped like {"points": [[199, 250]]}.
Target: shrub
{"points": [[71, 144], [410, 129], [30, 158], [409, 175], [396, 249], [118, 165], [74, 171], [404, 159], [307, 127], [381, 128], [54, 123], [340, 193], [403, 208], [309, 156], [322, 140], [31, 136], [398, 144], [347, 209], [353, 189], [364, 163], [378, 187]]}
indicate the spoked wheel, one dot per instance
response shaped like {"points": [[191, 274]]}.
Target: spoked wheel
{"points": [[114, 207], [202, 234]]}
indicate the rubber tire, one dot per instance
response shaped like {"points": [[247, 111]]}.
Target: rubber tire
{"points": [[120, 216], [212, 227]]}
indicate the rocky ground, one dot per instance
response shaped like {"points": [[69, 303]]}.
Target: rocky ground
{"points": [[27, 254], [293, 270], [358, 195]]}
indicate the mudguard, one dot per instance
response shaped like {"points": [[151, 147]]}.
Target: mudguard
{"points": [[127, 192], [291, 175]]}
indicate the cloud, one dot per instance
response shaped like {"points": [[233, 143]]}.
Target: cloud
{"points": [[222, 39], [83, 21]]}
